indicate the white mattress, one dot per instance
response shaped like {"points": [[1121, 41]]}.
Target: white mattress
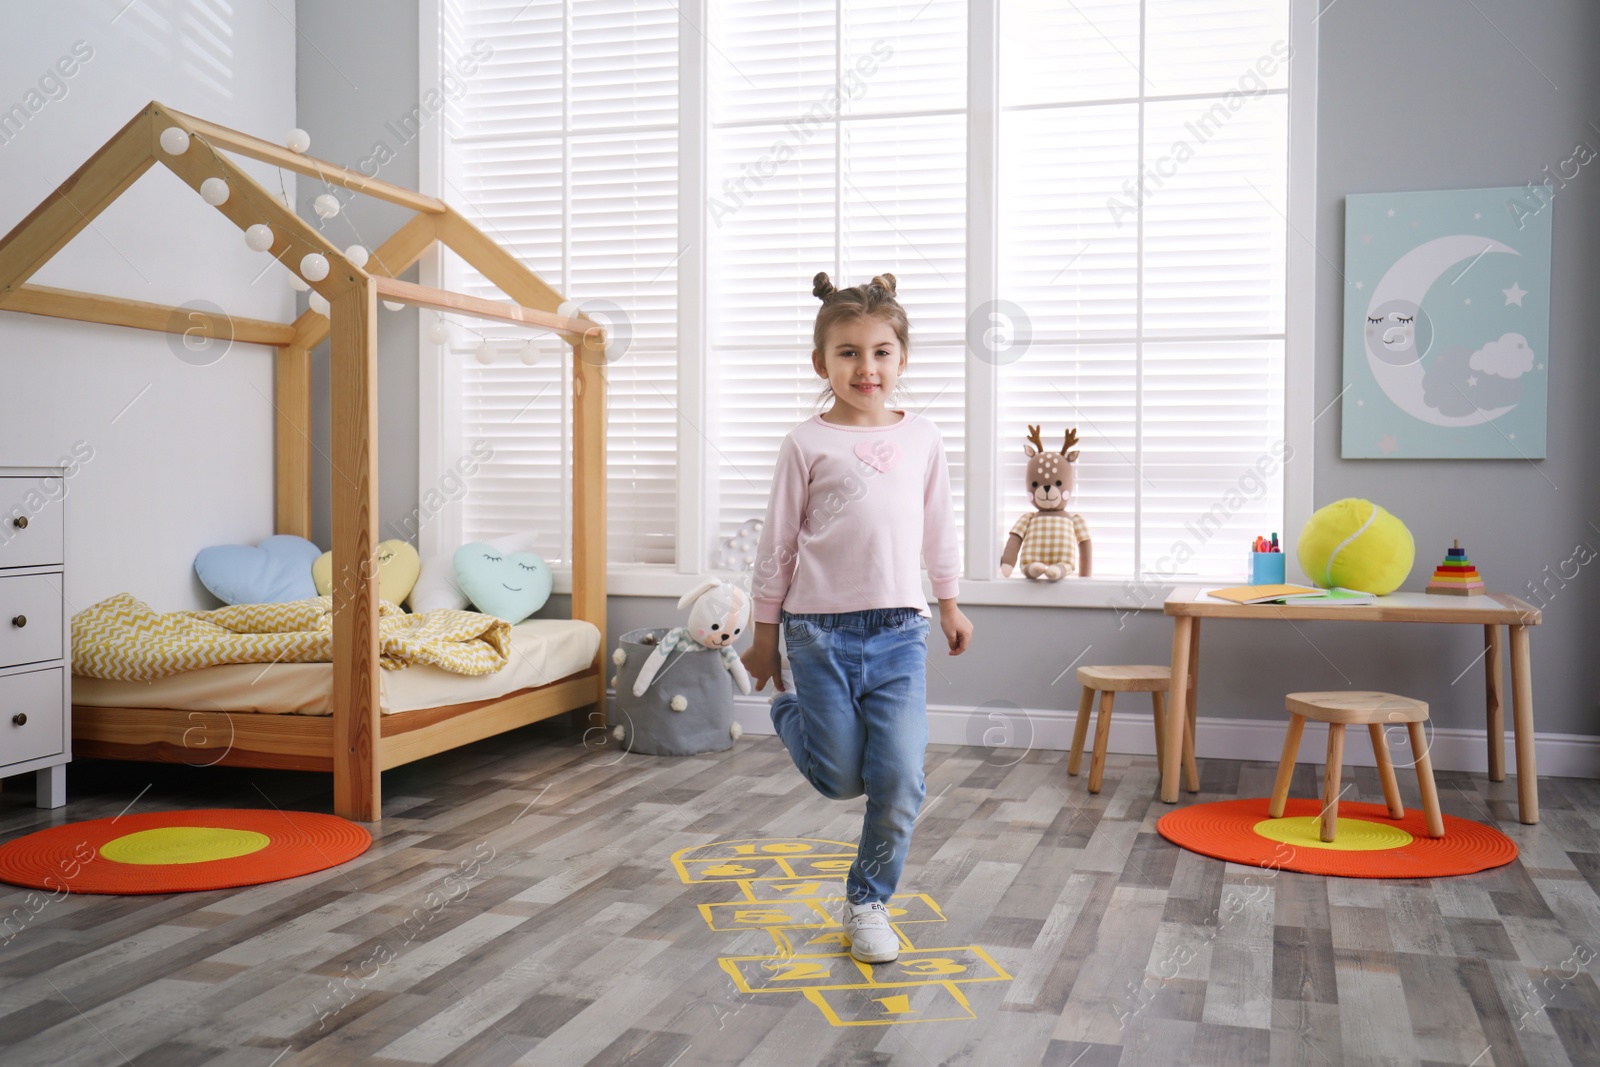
{"points": [[543, 651]]}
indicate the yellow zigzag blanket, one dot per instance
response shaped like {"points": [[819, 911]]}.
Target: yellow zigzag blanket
{"points": [[122, 638]]}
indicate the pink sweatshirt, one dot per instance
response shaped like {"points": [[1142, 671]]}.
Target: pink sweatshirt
{"points": [[852, 508]]}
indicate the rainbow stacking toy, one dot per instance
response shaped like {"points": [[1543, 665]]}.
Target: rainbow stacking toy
{"points": [[1456, 576]]}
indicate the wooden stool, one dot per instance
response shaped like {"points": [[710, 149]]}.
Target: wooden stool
{"points": [[1111, 681], [1353, 708]]}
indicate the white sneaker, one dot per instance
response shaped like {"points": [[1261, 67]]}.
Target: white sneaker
{"points": [[872, 939]]}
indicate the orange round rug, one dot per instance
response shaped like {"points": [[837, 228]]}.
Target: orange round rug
{"points": [[180, 851], [1368, 844]]}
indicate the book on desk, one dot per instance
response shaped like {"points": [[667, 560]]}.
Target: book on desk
{"points": [[1283, 594]]}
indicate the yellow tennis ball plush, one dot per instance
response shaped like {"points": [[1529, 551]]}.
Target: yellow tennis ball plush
{"points": [[1355, 544]]}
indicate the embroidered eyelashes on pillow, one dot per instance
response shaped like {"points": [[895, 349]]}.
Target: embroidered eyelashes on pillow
{"points": [[437, 586], [398, 566], [510, 586]]}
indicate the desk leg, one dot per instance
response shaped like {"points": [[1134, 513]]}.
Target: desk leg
{"points": [[1522, 715], [1178, 710], [1495, 693], [1191, 773]]}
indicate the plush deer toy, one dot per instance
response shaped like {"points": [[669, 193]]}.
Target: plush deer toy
{"points": [[1049, 542]]}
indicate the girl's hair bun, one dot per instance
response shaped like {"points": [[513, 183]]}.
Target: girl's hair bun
{"points": [[885, 282], [821, 287]]}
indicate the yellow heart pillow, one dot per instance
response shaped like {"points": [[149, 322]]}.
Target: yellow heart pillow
{"points": [[398, 567]]}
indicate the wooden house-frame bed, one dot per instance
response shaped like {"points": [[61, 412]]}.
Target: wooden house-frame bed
{"points": [[356, 743]]}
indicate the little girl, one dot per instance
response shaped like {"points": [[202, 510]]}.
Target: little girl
{"points": [[860, 492]]}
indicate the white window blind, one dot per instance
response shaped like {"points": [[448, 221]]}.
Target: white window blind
{"points": [[1141, 175], [564, 148], [836, 142], [1141, 232]]}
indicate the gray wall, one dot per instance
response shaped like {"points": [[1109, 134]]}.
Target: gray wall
{"points": [[1430, 94], [356, 78]]}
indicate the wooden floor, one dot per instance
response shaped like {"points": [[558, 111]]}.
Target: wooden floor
{"points": [[573, 939]]}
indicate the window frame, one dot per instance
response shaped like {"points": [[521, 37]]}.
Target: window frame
{"points": [[438, 394]]}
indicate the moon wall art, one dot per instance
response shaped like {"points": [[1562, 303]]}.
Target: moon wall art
{"points": [[1446, 324]]}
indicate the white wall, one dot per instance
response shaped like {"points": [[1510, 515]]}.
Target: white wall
{"points": [[182, 453]]}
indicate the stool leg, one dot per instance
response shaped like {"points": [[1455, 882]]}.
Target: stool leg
{"points": [[1080, 731], [1391, 788], [1191, 773], [1102, 737], [1430, 795], [1158, 706], [1291, 750], [1330, 781]]}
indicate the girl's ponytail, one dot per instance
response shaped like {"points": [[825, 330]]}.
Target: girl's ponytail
{"points": [[821, 287]]}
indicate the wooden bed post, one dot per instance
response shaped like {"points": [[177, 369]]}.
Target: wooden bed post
{"points": [[291, 382], [589, 502], [353, 360]]}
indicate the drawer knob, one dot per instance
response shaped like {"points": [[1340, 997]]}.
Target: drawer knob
{"points": [[20, 718], [20, 522], [19, 621]]}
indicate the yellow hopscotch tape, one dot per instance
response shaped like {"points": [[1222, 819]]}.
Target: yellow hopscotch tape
{"points": [[840, 970]]}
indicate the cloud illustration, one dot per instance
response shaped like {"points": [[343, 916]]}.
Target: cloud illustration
{"points": [[1509, 357]]}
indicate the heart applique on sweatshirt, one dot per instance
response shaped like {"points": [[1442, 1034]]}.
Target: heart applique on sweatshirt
{"points": [[881, 455]]}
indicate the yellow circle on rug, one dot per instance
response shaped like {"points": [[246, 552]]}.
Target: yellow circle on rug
{"points": [[183, 844], [1354, 835]]}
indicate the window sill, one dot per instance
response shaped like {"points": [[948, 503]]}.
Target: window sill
{"points": [[1116, 594]]}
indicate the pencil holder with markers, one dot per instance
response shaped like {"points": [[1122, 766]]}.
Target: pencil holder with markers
{"points": [[1266, 568]]}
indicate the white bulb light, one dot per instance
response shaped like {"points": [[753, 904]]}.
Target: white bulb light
{"points": [[529, 353], [393, 305], [314, 266], [484, 353], [258, 237], [214, 191], [297, 283], [319, 303], [174, 141], [357, 254], [298, 140], [326, 206], [439, 332]]}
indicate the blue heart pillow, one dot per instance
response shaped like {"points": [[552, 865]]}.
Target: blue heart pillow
{"points": [[276, 570], [507, 585]]}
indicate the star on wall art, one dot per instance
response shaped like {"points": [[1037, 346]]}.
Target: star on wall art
{"points": [[1446, 324]]}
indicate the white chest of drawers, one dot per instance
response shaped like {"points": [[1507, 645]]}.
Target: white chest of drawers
{"points": [[35, 631]]}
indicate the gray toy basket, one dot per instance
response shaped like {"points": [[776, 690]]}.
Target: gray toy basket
{"points": [[649, 724]]}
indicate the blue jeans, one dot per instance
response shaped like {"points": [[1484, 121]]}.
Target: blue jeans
{"points": [[857, 722]]}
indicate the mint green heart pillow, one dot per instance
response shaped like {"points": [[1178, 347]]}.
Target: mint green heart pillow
{"points": [[507, 585]]}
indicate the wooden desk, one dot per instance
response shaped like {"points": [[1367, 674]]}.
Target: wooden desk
{"points": [[1189, 604]]}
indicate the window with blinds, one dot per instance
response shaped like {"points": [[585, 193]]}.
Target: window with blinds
{"points": [[564, 148], [1140, 174], [1143, 159]]}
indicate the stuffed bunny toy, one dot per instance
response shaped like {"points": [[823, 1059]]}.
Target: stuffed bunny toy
{"points": [[1051, 541], [719, 615]]}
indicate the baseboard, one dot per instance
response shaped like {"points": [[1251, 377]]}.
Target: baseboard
{"points": [[1451, 748]]}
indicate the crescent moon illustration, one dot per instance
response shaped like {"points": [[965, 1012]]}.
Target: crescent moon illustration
{"points": [[1398, 333]]}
